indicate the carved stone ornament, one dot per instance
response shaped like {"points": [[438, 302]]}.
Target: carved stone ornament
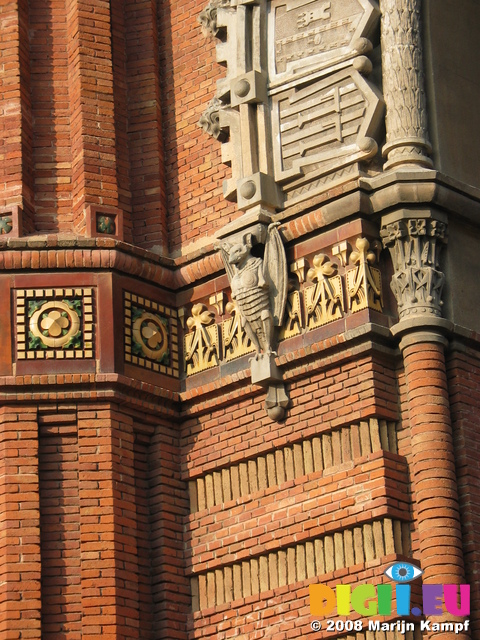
{"points": [[308, 35], [259, 290], [417, 283], [299, 112], [259, 286], [210, 120], [208, 17]]}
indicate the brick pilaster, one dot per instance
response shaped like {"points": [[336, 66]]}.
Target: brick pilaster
{"points": [[108, 525], [20, 563], [168, 508], [145, 126], [16, 187], [94, 175]]}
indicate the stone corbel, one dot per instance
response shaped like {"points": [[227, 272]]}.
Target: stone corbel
{"points": [[415, 240], [254, 257]]}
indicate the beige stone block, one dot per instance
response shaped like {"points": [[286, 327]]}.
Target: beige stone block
{"points": [[264, 573], [377, 528], [246, 579], [235, 480], [346, 444], [228, 583], [262, 473], [348, 548], [319, 557], [300, 562], [392, 437], [337, 448], [227, 487], [406, 539], [289, 467], [237, 582], [291, 566], [308, 457], [365, 438], [355, 438], [273, 570], [255, 575], [384, 435], [244, 484], [195, 594], [271, 470], [192, 492], [317, 454], [209, 491], [211, 595], [298, 460], [219, 587], [339, 551], [388, 536], [202, 502], [202, 591], [329, 549], [327, 450], [397, 536], [358, 545], [310, 559], [280, 466], [368, 544], [217, 486], [253, 475], [375, 434], [282, 568]]}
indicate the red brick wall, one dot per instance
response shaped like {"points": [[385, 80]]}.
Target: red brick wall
{"points": [[194, 171], [322, 497]]}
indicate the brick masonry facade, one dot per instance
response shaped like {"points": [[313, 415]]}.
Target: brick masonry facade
{"points": [[145, 492]]}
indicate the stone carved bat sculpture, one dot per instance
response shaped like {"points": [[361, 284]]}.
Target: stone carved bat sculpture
{"points": [[259, 287]]}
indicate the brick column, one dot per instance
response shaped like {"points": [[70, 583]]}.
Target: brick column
{"points": [[108, 525], [20, 563], [433, 463], [415, 240]]}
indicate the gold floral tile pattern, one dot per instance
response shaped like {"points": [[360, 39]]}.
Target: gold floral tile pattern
{"points": [[54, 323], [151, 335]]}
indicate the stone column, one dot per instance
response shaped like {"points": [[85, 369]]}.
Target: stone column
{"points": [[404, 84], [415, 240]]}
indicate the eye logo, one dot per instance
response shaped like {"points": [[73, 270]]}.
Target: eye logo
{"points": [[403, 572]]}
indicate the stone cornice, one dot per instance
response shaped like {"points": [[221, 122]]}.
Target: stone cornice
{"points": [[367, 197]]}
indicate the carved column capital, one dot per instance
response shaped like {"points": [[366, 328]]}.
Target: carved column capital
{"points": [[415, 240], [404, 84]]}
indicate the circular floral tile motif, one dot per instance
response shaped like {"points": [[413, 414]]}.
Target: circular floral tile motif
{"points": [[55, 324], [150, 333]]}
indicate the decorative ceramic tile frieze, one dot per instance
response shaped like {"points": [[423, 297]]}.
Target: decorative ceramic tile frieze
{"points": [[324, 300], [54, 323], [151, 335], [235, 340], [202, 341], [364, 282]]}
